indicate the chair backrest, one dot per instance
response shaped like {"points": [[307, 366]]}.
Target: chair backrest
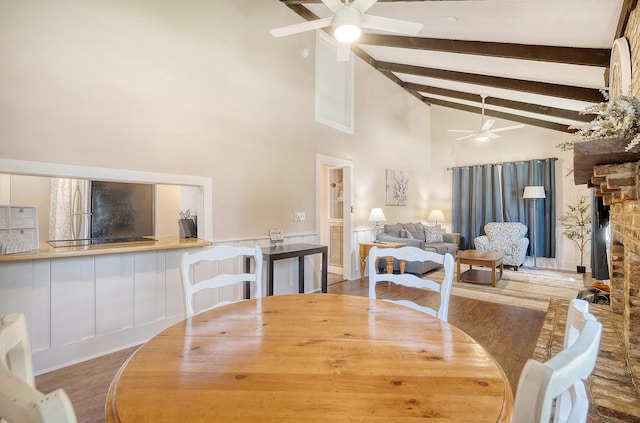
{"points": [[20, 402], [505, 231], [410, 280], [562, 375], [219, 253], [577, 317], [572, 405], [15, 350]]}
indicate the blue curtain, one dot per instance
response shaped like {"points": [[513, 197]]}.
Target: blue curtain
{"points": [[476, 201], [493, 193], [516, 176]]}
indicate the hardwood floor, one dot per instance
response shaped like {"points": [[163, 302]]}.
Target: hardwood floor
{"points": [[508, 333]]}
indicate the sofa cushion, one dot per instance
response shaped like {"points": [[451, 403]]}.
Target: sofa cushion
{"points": [[420, 230], [432, 234], [507, 249], [394, 230], [441, 248], [411, 228], [505, 231]]}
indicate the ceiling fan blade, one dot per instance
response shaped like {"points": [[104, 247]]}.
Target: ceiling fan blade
{"points": [[508, 128], [461, 130], [344, 52], [487, 124], [466, 136], [390, 25], [301, 27], [334, 4], [363, 5], [492, 135]]}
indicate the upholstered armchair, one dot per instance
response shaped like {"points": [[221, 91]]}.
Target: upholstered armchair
{"points": [[506, 237]]}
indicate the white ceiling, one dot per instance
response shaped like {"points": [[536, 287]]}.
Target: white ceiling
{"points": [[588, 24]]}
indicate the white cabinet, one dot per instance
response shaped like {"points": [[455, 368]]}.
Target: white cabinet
{"points": [[81, 307], [18, 229]]}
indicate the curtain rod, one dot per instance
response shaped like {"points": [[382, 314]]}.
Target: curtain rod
{"points": [[500, 164]]}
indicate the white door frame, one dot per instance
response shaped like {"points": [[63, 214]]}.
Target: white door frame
{"points": [[347, 165]]}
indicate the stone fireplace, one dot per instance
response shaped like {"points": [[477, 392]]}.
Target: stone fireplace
{"points": [[619, 185]]}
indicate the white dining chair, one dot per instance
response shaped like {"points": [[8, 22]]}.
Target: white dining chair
{"points": [[561, 376], [20, 402], [573, 404], [191, 285], [410, 280]]}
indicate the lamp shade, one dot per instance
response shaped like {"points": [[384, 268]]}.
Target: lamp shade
{"points": [[534, 192], [436, 215], [377, 215]]}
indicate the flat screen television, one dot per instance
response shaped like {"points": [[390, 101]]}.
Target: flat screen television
{"points": [[120, 209]]}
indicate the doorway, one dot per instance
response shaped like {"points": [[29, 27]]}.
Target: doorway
{"points": [[333, 194]]}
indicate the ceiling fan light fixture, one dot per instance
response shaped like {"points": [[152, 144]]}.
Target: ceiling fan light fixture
{"points": [[346, 22], [482, 138], [347, 33]]}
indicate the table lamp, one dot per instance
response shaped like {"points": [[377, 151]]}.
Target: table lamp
{"points": [[534, 192], [376, 215], [436, 215]]}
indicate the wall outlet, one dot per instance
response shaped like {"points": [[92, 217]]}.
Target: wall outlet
{"points": [[299, 216]]}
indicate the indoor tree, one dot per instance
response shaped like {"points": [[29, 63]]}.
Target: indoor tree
{"points": [[576, 224]]}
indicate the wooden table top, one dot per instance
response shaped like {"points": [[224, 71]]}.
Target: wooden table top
{"points": [[311, 358], [480, 255]]}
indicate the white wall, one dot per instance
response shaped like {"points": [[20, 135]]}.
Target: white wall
{"points": [[203, 89], [521, 144]]}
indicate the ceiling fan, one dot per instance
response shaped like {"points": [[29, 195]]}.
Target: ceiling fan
{"points": [[485, 132], [348, 20]]}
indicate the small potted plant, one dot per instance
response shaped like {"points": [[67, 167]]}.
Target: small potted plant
{"points": [[576, 224]]}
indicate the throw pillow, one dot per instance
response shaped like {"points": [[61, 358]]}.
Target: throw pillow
{"points": [[433, 234], [406, 234], [410, 227]]}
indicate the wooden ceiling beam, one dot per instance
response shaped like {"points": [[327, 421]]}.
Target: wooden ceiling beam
{"points": [[500, 102], [288, 2], [501, 115], [625, 12], [555, 54], [567, 55], [543, 88]]}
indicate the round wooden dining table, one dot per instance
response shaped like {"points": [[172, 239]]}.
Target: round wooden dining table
{"points": [[310, 358]]}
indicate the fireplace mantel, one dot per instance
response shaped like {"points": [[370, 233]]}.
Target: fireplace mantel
{"points": [[588, 154]]}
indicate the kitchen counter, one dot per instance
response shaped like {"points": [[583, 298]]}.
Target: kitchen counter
{"points": [[85, 301], [46, 251]]}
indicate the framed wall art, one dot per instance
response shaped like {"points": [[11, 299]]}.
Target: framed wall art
{"points": [[397, 187]]}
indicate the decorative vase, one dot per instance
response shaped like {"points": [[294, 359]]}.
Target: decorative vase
{"points": [[581, 269]]}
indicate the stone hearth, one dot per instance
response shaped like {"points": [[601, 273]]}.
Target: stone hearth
{"points": [[612, 387]]}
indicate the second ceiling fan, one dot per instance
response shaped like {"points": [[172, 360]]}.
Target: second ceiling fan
{"points": [[348, 20], [485, 132]]}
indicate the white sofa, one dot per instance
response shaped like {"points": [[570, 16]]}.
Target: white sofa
{"points": [[506, 237]]}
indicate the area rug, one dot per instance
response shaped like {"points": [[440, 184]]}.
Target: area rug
{"points": [[527, 288]]}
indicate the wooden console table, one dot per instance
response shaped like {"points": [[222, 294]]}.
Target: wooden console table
{"points": [[364, 253]]}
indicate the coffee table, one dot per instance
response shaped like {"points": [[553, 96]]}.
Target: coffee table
{"points": [[490, 259]]}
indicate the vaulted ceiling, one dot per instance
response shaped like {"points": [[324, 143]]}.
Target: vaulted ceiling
{"points": [[539, 62]]}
